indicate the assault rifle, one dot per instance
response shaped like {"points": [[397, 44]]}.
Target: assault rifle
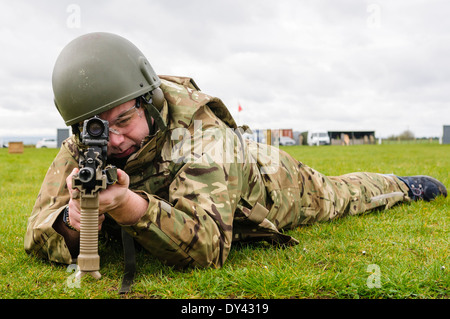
{"points": [[92, 177]]}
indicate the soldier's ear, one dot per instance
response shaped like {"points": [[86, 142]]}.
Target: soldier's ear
{"points": [[158, 98]]}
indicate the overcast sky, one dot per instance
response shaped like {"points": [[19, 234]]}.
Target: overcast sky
{"points": [[334, 65]]}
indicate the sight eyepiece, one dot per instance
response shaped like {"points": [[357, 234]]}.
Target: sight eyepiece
{"points": [[95, 131], [95, 127]]}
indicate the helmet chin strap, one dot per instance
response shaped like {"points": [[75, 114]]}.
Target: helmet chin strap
{"points": [[154, 102]]}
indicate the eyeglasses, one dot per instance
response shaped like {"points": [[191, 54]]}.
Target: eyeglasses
{"points": [[123, 123]]}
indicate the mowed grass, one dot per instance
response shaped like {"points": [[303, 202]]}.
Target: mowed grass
{"points": [[399, 253]]}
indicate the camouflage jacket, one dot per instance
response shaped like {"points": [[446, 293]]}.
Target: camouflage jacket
{"points": [[206, 186]]}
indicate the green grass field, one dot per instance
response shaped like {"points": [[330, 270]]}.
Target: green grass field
{"points": [[400, 253]]}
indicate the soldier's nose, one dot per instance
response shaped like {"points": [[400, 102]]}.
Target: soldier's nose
{"points": [[115, 139]]}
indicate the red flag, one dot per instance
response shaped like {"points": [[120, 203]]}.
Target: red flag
{"points": [[239, 108]]}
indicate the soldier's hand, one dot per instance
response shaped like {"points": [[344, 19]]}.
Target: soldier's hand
{"points": [[122, 204], [114, 195], [74, 204]]}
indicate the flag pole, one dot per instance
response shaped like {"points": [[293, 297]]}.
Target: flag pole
{"points": [[239, 114]]}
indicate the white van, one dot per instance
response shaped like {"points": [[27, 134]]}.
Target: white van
{"points": [[318, 138]]}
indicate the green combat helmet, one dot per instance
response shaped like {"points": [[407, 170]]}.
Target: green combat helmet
{"points": [[99, 71]]}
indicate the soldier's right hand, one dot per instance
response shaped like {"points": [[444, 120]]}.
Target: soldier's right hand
{"points": [[74, 204]]}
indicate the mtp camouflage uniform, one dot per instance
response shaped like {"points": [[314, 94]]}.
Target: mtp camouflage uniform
{"points": [[208, 187]]}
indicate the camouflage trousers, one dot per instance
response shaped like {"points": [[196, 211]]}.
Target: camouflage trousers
{"points": [[326, 197]]}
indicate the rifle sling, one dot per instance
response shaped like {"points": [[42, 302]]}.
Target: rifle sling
{"points": [[130, 262]]}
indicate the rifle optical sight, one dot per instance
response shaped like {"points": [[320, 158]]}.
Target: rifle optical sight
{"points": [[96, 133], [95, 127]]}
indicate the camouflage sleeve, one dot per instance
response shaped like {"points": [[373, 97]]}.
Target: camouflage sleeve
{"points": [[40, 238], [195, 227]]}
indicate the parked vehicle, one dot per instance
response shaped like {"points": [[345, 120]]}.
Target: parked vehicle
{"points": [[46, 143], [318, 138], [286, 140]]}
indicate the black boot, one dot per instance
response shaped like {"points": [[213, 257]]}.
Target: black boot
{"points": [[423, 187]]}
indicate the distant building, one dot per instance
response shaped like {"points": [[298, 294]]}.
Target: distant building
{"points": [[286, 132], [352, 137], [61, 135], [446, 135]]}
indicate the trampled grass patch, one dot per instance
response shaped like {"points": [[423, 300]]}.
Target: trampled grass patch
{"points": [[399, 253]]}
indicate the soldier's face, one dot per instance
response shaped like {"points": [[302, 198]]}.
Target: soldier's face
{"points": [[128, 127]]}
